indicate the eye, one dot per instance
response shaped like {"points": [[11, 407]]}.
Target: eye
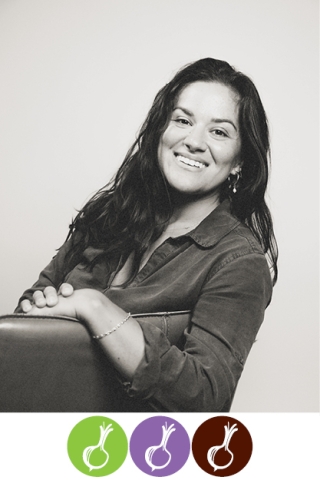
{"points": [[219, 133], [182, 121]]}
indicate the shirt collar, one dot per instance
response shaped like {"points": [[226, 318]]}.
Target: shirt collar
{"points": [[215, 226]]}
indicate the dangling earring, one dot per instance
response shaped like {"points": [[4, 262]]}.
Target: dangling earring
{"points": [[233, 183]]}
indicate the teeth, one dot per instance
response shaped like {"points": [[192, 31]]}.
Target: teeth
{"points": [[192, 163]]}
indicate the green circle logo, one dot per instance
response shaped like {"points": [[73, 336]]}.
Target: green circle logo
{"points": [[97, 446]]}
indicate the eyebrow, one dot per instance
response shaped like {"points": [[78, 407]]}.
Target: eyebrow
{"points": [[215, 120]]}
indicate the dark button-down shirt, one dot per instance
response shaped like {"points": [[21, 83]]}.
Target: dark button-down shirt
{"points": [[218, 275]]}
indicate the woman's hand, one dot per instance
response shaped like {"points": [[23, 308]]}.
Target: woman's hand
{"points": [[48, 298], [124, 348], [73, 305], [79, 304]]}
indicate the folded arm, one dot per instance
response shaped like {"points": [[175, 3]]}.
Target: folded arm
{"points": [[124, 347], [203, 375]]}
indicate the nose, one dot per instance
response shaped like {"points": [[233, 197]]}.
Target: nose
{"points": [[195, 140]]}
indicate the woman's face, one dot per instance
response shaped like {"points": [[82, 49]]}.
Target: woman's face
{"points": [[201, 144]]}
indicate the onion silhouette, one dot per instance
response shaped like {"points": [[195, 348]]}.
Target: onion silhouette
{"points": [[213, 450], [166, 432], [104, 432]]}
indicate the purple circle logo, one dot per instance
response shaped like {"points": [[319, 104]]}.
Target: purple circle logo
{"points": [[159, 446]]}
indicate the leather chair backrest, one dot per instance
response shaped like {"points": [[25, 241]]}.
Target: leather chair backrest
{"points": [[51, 364]]}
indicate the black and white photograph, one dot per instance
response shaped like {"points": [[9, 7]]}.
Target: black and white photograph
{"points": [[159, 205]]}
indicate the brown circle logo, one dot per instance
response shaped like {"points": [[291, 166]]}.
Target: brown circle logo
{"points": [[222, 446]]}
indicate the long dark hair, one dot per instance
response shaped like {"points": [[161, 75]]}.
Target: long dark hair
{"points": [[132, 210]]}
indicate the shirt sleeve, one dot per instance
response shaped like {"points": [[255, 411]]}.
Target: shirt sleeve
{"points": [[52, 275], [203, 376]]}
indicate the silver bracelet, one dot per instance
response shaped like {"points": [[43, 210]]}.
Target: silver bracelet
{"points": [[98, 337]]}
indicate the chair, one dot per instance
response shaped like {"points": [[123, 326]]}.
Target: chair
{"points": [[51, 364]]}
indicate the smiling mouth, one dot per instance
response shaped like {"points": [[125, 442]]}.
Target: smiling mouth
{"points": [[189, 162]]}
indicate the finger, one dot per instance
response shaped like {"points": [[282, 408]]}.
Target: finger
{"points": [[51, 296], [40, 312], [26, 306], [39, 299], [65, 290]]}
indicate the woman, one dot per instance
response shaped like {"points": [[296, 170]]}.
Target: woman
{"points": [[182, 228]]}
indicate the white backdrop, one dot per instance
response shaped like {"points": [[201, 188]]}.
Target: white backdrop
{"points": [[77, 79]]}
